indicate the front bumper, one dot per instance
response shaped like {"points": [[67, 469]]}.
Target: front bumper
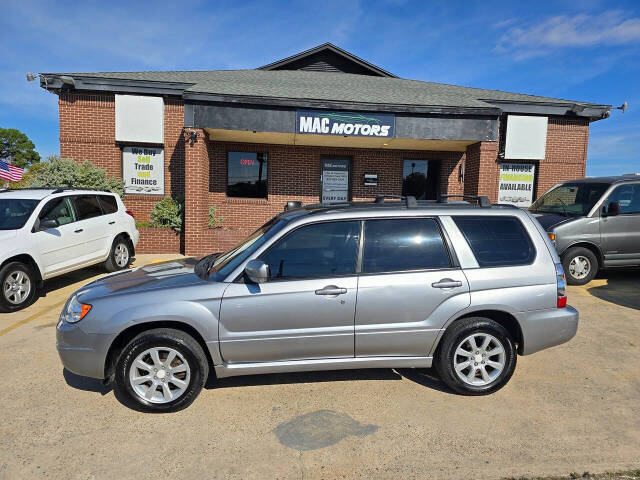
{"points": [[82, 353], [547, 328]]}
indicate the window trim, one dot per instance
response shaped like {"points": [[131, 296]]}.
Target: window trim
{"points": [[453, 259], [316, 277], [533, 245], [226, 185]]}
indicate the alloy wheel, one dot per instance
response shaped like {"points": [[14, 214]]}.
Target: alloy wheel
{"points": [[479, 359], [17, 287], [121, 254], [160, 375], [579, 267]]}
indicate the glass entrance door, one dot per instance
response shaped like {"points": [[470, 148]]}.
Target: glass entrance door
{"points": [[336, 179], [420, 179]]}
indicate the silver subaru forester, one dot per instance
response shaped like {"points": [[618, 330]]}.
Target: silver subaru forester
{"points": [[463, 286]]}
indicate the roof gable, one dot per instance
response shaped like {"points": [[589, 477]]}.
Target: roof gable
{"points": [[328, 58]]}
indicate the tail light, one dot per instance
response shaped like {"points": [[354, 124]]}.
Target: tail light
{"points": [[561, 282], [130, 213]]}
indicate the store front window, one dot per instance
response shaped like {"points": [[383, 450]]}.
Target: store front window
{"points": [[247, 174], [420, 179]]}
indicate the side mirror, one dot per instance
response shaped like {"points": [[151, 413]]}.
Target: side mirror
{"points": [[48, 223], [614, 209], [257, 271]]}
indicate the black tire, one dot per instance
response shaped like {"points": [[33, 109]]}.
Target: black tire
{"points": [[584, 253], [111, 265], [177, 340], [7, 299], [446, 355]]}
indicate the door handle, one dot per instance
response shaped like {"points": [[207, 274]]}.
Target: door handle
{"points": [[78, 231], [446, 283], [112, 222], [331, 290]]}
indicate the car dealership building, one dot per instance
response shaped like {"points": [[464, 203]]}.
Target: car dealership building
{"points": [[322, 125]]}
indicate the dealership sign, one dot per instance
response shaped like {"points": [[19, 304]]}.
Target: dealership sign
{"points": [[143, 170], [350, 124], [516, 183]]}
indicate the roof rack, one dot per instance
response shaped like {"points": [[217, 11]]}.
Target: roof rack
{"points": [[410, 200], [482, 200]]}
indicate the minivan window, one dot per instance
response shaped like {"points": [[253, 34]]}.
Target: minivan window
{"points": [[317, 250], [392, 245], [497, 241], [628, 196], [58, 209], [14, 212], [87, 206], [109, 204], [570, 199]]}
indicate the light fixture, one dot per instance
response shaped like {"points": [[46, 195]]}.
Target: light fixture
{"points": [[31, 77], [623, 107]]}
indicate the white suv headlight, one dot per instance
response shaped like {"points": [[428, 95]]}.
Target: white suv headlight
{"points": [[76, 311]]}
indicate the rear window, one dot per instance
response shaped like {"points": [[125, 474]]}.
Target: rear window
{"points": [[396, 245], [497, 241], [109, 204]]}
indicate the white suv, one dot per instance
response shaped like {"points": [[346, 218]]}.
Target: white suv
{"points": [[48, 232]]}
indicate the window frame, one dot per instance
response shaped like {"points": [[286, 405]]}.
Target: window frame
{"points": [[104, 212], [73, 199], [266, 190], [446, 241], [606, 201], [36, 223], [526, 231], [276, 241]]}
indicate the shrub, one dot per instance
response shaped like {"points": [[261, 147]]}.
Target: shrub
{"points": [[168, 213], [213, 221], [65, 172]]}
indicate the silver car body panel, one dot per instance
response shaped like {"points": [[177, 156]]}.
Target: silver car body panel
{"points": [[381, 320]]}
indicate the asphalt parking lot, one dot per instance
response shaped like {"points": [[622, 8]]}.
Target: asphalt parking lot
{"points": [[572, 408]]}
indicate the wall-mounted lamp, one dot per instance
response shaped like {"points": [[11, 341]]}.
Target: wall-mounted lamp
{"points": [[623, 107], [191, 136], [31, 77]]}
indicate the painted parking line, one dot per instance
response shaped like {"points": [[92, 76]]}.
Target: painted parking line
{"points": [[19, 323]]}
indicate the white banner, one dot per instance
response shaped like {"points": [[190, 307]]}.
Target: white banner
{"points": [[516, 183], [143, 170]]}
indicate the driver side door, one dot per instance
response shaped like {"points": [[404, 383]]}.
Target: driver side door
{"points": [[306, 309]]}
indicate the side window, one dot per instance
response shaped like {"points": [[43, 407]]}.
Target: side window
{"points": [[317, 250], [109, 204], [403, 244], [87, 206], [58, 209], [497, 241], [628, 196]]}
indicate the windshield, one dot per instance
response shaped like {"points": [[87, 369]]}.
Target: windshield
{"points": [[227, 262], [14, 212], [570, 199]]}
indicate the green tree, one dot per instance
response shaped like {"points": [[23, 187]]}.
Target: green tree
{"points": [[65, 172], [16, 147]]}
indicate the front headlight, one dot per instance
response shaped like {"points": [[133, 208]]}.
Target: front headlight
{"points": [[76, 311]]}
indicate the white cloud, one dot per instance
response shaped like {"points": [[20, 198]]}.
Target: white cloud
{"points": [[612, 27]]}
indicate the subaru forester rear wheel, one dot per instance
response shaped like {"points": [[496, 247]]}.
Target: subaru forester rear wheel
{"points": [[476, 356]]}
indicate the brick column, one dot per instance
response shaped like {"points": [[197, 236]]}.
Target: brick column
{"points": [[196, 190], [482, 172]]}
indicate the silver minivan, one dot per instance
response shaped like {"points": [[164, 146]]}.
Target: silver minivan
{"points": [[463, 287]]}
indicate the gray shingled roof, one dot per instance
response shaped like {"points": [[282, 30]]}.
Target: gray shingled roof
{"points": [[325, 86]]}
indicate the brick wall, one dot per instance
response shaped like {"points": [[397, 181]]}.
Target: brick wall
{"points": [[87, 131], [158, 240]]}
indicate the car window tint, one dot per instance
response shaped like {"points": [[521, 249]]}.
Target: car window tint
{"points": [[58, 209], [317, 250], [109, 204], [628, 196], [392, 245], [497, 241], [87, 206]]}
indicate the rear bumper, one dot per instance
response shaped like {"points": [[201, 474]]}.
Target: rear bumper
{"points": [[81, 353], [547, 328]]}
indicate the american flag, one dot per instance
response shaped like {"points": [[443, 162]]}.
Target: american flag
{"points": [[9, 172]]}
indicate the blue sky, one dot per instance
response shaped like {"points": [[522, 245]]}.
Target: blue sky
{"points": [[586, 51]]}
